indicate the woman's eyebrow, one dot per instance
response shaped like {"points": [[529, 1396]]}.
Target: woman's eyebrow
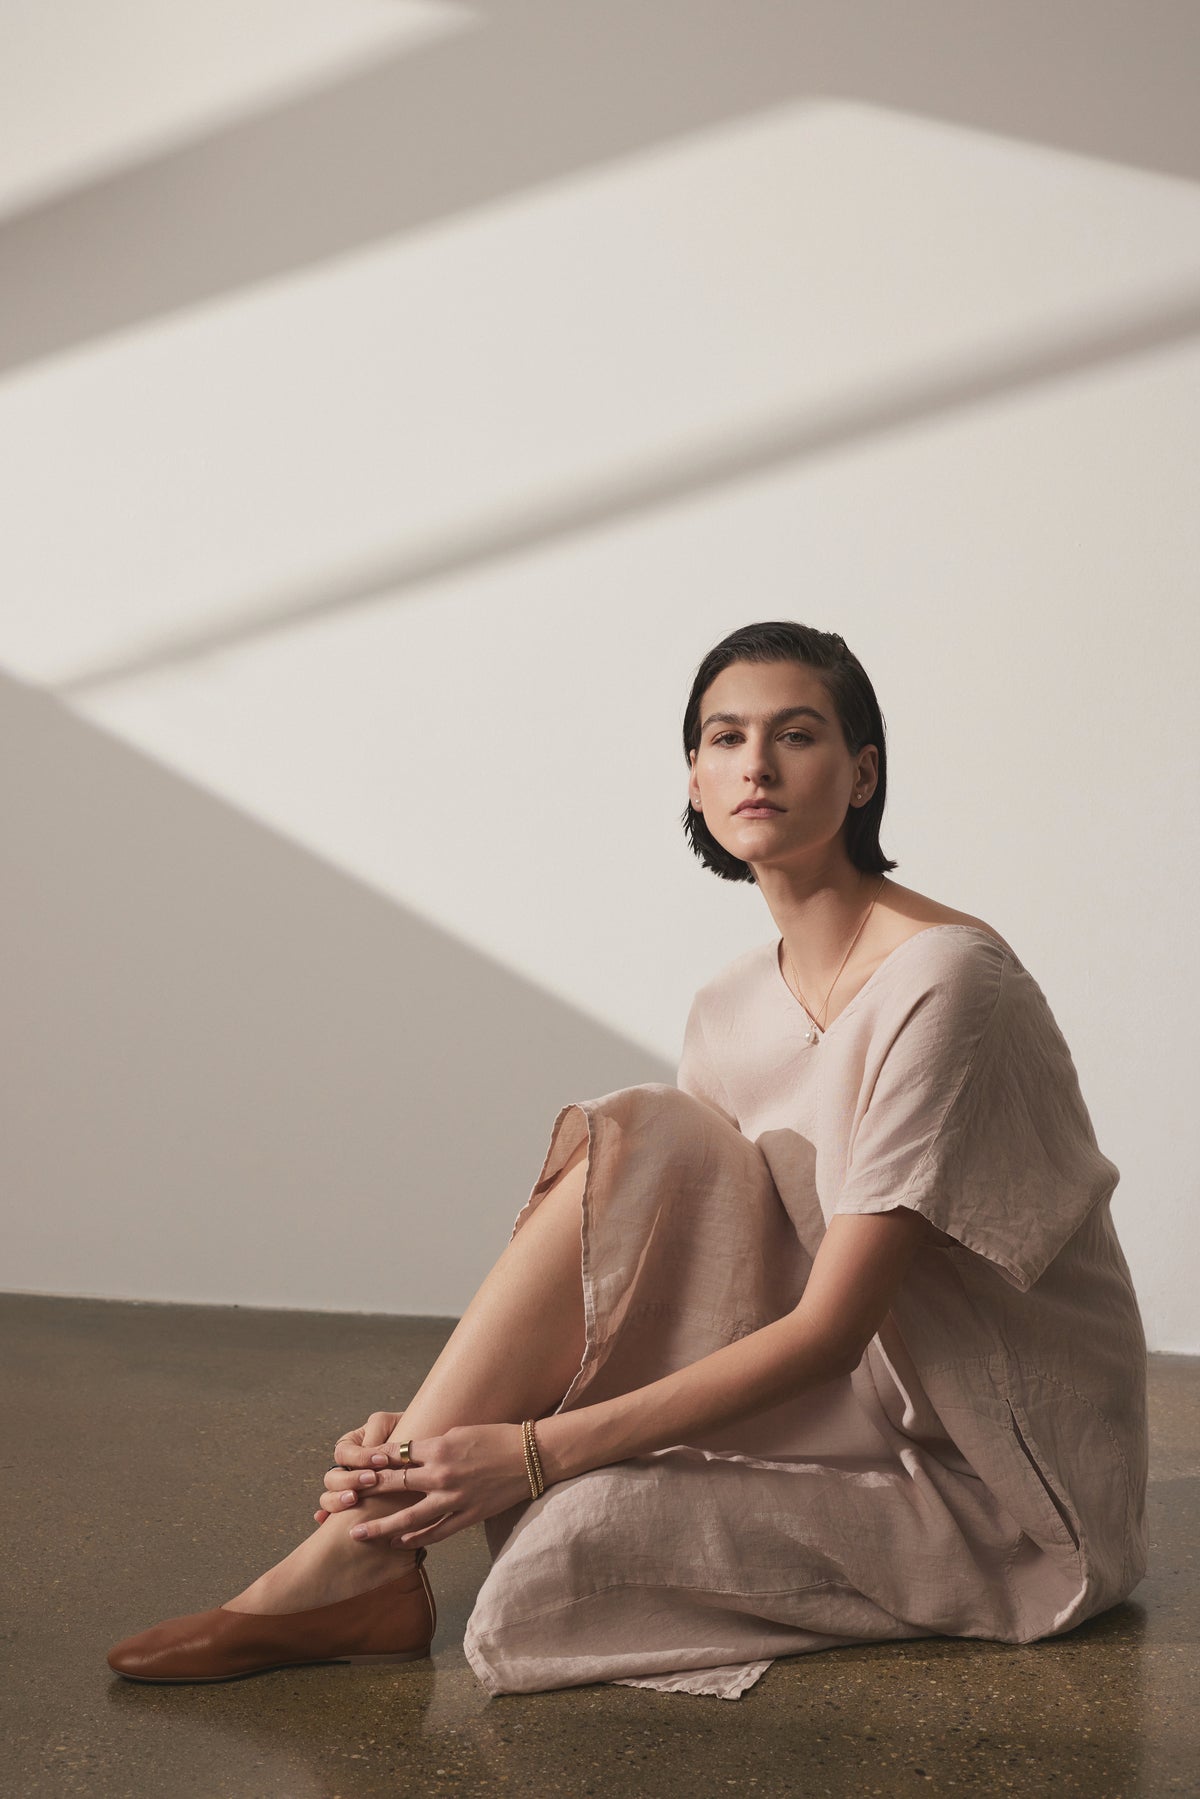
{"points": [[734, 718]]}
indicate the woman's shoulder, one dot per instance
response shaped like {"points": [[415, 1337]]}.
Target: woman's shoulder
{"points": [[948, 975], [908, 913], [928, 958]]}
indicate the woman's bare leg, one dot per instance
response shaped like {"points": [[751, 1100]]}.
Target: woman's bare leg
{"points": [[512, 1355]]}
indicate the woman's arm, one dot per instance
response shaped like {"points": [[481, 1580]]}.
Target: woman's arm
{"points": [[855, 1274], [473, 1471]]}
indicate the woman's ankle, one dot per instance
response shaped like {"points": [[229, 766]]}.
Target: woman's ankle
{"points": [[344, 1568], [329, 1564]]}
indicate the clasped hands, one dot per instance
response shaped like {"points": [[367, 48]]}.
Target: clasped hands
{"points": [[469, 1473]]}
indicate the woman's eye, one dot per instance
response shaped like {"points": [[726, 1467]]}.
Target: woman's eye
{"points": [[725, 736]]}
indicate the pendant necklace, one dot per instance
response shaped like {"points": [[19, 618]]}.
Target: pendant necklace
{"points": [[813, 1034]]}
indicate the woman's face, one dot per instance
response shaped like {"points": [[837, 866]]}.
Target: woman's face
{"points": [[779, 740]]}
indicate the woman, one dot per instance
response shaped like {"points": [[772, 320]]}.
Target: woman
{"points": [[855, 1354]]}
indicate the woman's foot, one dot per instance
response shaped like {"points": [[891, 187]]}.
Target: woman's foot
{"points": [[328, 1566], [394, 1622]]}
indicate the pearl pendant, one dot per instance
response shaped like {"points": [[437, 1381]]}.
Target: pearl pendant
{"points": [[812, 1035]]}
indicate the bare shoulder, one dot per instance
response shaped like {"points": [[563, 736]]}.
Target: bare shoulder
{"points": [[908, 912]]}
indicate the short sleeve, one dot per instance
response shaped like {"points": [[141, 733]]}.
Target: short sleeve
{"points": [[697, 1073], [975, 1119]]}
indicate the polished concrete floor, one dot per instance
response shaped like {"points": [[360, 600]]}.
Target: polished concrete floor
{"points": [[159, 1456]]}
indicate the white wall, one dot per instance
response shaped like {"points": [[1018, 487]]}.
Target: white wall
{"points": [[352, 603]]}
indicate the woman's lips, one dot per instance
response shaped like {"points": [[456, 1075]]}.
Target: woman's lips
{"points": [[758, 811]]}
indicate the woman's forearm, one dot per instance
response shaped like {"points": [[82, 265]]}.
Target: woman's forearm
{"points": [[761, 1370], [856, 1272]]}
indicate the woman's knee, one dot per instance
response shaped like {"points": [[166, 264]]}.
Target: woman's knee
{"points": [[576, 1159]]}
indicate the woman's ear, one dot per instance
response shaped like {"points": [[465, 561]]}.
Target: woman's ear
{"points": [[693, 784], [868, 773]]}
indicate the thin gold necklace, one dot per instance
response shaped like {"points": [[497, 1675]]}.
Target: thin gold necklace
{"points": [[813, 1034]]}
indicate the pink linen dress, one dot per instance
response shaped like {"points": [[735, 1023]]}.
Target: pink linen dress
{"points": [[982, 1473]]}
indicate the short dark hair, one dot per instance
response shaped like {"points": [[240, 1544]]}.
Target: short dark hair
{"points": [[849, 687]]}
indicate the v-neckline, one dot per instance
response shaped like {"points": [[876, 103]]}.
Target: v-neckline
{"points": [[875, 972]]}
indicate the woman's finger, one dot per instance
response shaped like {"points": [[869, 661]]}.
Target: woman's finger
{"points": [[351, 1439], [379, 1427], [344, 1486], [436, 1533], [403, 1522], [371, 1435], [430, 1510], [337, 1478], [340, 1487], [357, 1455], [377, 1480], [339, 1502], [383, 1455]]}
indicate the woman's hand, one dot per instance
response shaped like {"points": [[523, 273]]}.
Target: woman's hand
{"points": [[468, 1474], [368, 1436]]}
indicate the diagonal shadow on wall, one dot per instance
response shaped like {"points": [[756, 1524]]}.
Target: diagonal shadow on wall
{"points": [[1059, 354], [240, 1074], [544, 89]]}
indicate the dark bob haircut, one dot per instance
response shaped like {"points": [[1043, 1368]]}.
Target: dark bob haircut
{"points": [[849, 688]]}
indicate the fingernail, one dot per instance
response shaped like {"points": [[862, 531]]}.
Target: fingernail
{"points": [[359, 1531], [380, 1461], [347, 1499], [367, 1479]]}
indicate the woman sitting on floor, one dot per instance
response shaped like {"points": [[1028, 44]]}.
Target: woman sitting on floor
{"points": [[830, 1343]]}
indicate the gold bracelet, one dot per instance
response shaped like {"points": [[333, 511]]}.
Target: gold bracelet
{"points": [[530, 1469], [533, 1461], [529, 1463], [537, 1460]]}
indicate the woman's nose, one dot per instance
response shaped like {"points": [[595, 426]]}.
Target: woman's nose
{"points": [[758, 766]]}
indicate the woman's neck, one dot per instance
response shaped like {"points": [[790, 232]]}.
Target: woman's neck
{"points": [[823, 918]]}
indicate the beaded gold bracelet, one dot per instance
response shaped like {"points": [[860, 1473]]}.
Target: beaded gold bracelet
{"points": [[533, 1461]]}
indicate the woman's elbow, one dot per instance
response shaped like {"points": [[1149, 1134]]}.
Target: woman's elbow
{"points": [[832, 1353], [834, 1339], [846, 1355]]}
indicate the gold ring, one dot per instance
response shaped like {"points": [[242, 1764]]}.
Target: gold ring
{"points": [[404, 1480], [405, 1453]]}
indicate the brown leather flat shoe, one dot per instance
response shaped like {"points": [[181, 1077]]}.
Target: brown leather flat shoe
{"points": [[394, 1622]]}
